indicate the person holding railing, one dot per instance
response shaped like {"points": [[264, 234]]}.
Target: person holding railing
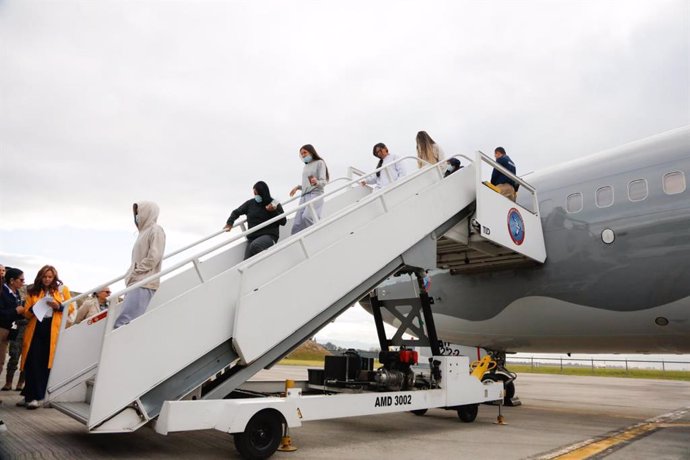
{"points": [[44, 298], [506, 186], [147, 258], [428, 151], [391, 173], [95, 304], [258, 210], [314, 178]]}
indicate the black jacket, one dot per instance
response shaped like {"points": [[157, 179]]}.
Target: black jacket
{"points": [[8, 308], [256, 214]]}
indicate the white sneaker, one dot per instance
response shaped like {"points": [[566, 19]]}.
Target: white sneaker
{"points": [[3, 427], [33, 404]]}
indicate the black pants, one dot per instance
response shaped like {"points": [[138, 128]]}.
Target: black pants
{"points": [[36, 367], [257, 245]]}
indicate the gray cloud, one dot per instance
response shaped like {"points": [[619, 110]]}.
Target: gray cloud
{"points": [[189, 103]]}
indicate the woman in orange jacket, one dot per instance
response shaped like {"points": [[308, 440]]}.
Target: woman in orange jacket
{"points": [[40, 338]]}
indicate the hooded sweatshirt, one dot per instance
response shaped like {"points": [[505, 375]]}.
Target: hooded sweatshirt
{"points": [[147, 253], [257, 214]]}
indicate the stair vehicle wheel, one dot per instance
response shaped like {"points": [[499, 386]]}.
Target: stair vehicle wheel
{"points": [[468, 413], [419, 412], [509, 387], [262, 436]]}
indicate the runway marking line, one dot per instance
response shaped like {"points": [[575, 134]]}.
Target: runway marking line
{"points": [[616, 440]]}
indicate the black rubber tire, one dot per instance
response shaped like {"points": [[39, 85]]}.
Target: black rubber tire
{"points": [[509, 387], [419, 412], [262, 436], [468, 413]]}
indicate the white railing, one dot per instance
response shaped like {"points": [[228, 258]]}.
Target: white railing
{"points": [[535, 205], [194, 260]]}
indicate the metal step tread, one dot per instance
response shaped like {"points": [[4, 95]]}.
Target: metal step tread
{"points": [[77, 410]]}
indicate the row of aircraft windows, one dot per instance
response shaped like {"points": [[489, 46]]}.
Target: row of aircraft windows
{"points": [[673, 183]]}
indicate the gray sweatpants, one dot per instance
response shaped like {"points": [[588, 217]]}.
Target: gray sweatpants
{"points": [[304, 217], [134, 305]]}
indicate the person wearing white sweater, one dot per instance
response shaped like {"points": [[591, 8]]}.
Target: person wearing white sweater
{"points": [[314, 178], [428, 151], [392, 171]]}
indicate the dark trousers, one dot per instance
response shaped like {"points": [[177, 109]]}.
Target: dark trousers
{"points": [[36, 367], [257, 245]]}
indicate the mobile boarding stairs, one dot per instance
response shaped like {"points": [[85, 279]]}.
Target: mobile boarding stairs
{"points": [[217, 320]]}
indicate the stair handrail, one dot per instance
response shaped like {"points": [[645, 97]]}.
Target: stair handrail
{"points": [[487, 159], [191, 259], [240, 222], [398, 183], [194, 258]]}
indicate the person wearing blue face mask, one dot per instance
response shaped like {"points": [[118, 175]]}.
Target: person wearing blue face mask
{"points": [[258, 210], [453, 165], [314, 178]]}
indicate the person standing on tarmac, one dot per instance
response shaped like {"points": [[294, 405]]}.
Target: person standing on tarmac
{"points": [[506, 186]]}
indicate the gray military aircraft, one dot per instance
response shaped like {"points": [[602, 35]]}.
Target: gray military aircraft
{"points": [[616, 229]]}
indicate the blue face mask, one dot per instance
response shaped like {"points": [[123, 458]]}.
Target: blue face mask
{"points": [[258, 198], [136, 220], [307, 159], [450, 168]]}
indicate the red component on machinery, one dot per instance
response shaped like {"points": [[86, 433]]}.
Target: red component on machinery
{"points": [[409, 356]]}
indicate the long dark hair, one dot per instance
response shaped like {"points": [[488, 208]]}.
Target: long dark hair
{"points": [[262, 189], [37, 287], [380, 145], [12, 274], [315, 156]]}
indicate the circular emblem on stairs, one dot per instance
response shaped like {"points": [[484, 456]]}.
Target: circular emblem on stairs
{"points": [[516, 226]]}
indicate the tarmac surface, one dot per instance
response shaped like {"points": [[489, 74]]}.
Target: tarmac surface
{"points": [[561, 417]]}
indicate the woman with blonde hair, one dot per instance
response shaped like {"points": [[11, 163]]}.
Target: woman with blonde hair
{"points": [[40, 338], [428, 150]]}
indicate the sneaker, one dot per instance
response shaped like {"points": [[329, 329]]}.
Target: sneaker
{"points": [[21, 403], [33, 404], [3, 427], [19, 388], [6, 388]]}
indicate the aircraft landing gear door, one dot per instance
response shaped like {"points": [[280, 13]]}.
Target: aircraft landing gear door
{"points": [[514, 226]]}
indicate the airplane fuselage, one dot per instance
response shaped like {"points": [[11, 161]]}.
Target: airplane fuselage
{"points": [[617, 276]]}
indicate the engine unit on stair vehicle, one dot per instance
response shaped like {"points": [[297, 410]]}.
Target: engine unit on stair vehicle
{"points": [[350, 370], [396, 373]]}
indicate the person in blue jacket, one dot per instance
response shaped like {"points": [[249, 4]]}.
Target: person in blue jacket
{"points": [[11, 310], [503, 183], [258, 210]]}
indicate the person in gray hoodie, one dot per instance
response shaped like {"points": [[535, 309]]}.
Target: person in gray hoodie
{"points": [[147, 257]]}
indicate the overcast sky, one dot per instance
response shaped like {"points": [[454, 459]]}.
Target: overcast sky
{"points": [[189, 103]]}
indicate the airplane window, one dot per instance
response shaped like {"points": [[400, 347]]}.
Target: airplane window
{"points": [[637, 190], [674, 182], [574, 203], [604, 196]]}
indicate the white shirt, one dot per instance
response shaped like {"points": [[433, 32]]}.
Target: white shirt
{"points": [[395, 172]]}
